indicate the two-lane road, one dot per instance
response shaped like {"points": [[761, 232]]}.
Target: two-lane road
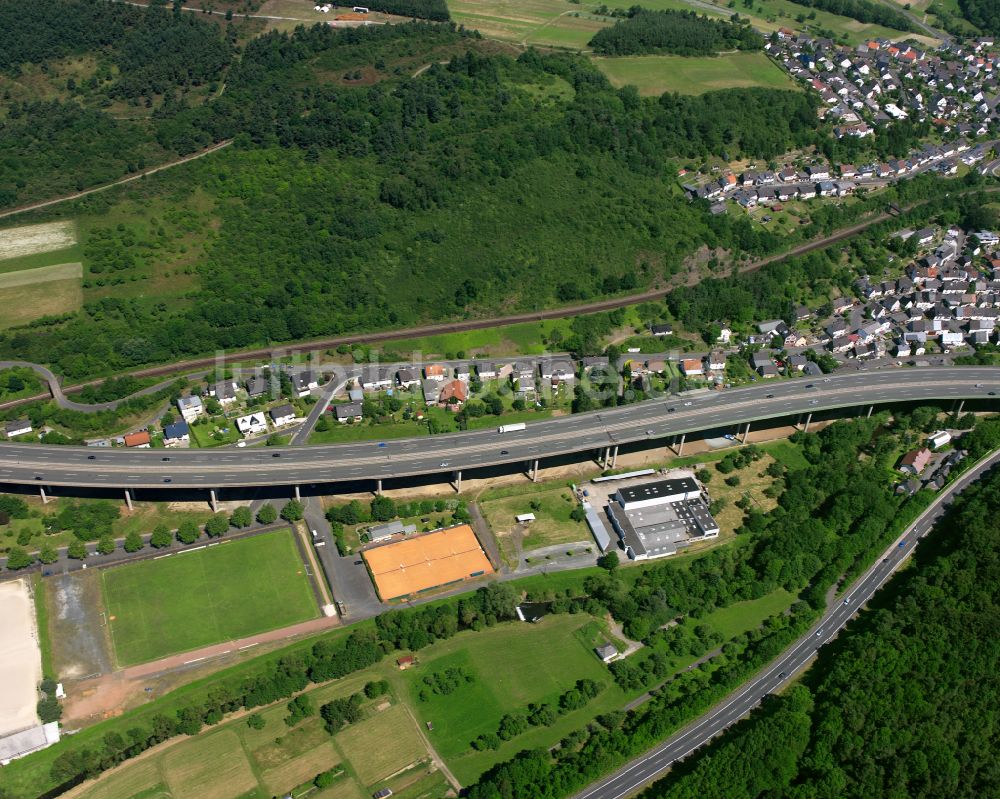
{"points": [[652, 420], [641, 771]]}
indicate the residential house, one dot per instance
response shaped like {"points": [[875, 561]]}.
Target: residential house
{"points": [[717, 361], [140, 440], [256, 387], [454, 394], [348, 411], [435, 371], [176, 434], [915, 461], [224, 392], [304, 383], [252, 424], [407, 377], [282, 415], [692, 367], [18, 427], [190, 408], [661, 330]]}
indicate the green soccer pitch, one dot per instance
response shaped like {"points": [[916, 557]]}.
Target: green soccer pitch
{"points": [[192, 599]]}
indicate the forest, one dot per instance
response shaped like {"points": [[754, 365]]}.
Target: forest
{"points": [[675, 32], [345, 209], [866, 11], [984, 14], [144, 57], [153, 50], [434, 10], [902, 704]]}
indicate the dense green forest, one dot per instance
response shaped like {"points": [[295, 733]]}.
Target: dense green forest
{"points": [[984, 14], [434, 10], [902, 704], [152, 49], [865, 11], [143, 58], [677, 32], [345, 209]]}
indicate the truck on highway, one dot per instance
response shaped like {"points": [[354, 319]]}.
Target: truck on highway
{"points": [[511, 428]]}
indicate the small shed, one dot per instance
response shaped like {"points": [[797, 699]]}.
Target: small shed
{"points": [[525, 518]]}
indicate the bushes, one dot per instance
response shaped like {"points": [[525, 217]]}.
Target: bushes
{"points": [[443, 683]]}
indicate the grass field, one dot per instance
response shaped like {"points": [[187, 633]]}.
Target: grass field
{"points": [[552, 523], [213, 767], [539, 662], [23, 304], [741, 617], [557, 23], [654, 75], [192, 599], [382, 745]]}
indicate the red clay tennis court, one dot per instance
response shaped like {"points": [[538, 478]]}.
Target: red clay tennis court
{"points": [[427, 561]]}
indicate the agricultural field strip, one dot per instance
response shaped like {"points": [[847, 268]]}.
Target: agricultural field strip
{"points": [[43, 274], [292, 465], [32, 239]]}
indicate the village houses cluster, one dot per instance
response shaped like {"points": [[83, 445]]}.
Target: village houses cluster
{"points": [[864, 88]]}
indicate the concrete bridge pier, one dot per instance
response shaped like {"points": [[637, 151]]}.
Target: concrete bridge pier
{"points": [[961, 404], [870, 409], [128, 499], [746, 433], [298, 494], [45, 499], [212, 499], [378, 487], [680, 447], [614, 457], [457, 479], [534, 471], [805, 427]]}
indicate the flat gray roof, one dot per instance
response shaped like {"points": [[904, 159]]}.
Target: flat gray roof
{"points": [[660, 488]]}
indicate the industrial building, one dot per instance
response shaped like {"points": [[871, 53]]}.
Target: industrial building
{"points": [[656, 519]]}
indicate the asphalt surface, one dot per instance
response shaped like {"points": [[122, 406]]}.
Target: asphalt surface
{"points": [[656, 420], [644, 769]]}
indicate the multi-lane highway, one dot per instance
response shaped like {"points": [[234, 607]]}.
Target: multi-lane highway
{"points": [[654, 421], [641, 771]]}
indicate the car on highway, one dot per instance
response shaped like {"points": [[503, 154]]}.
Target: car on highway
{"points": [[504, 452], [444, 463], [814, 402], [782, 675], [847, 600], [167, 480], [381, 444], [902, 544], [649, 432], [91, 457], [819, 632], [770, 396], [687, 403], [979, 385], [671, 410], [810, 385], [991, 393]]}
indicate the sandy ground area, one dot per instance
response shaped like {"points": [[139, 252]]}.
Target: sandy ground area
{"points": [[20, 658], [31, 239], [43, 274]]}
